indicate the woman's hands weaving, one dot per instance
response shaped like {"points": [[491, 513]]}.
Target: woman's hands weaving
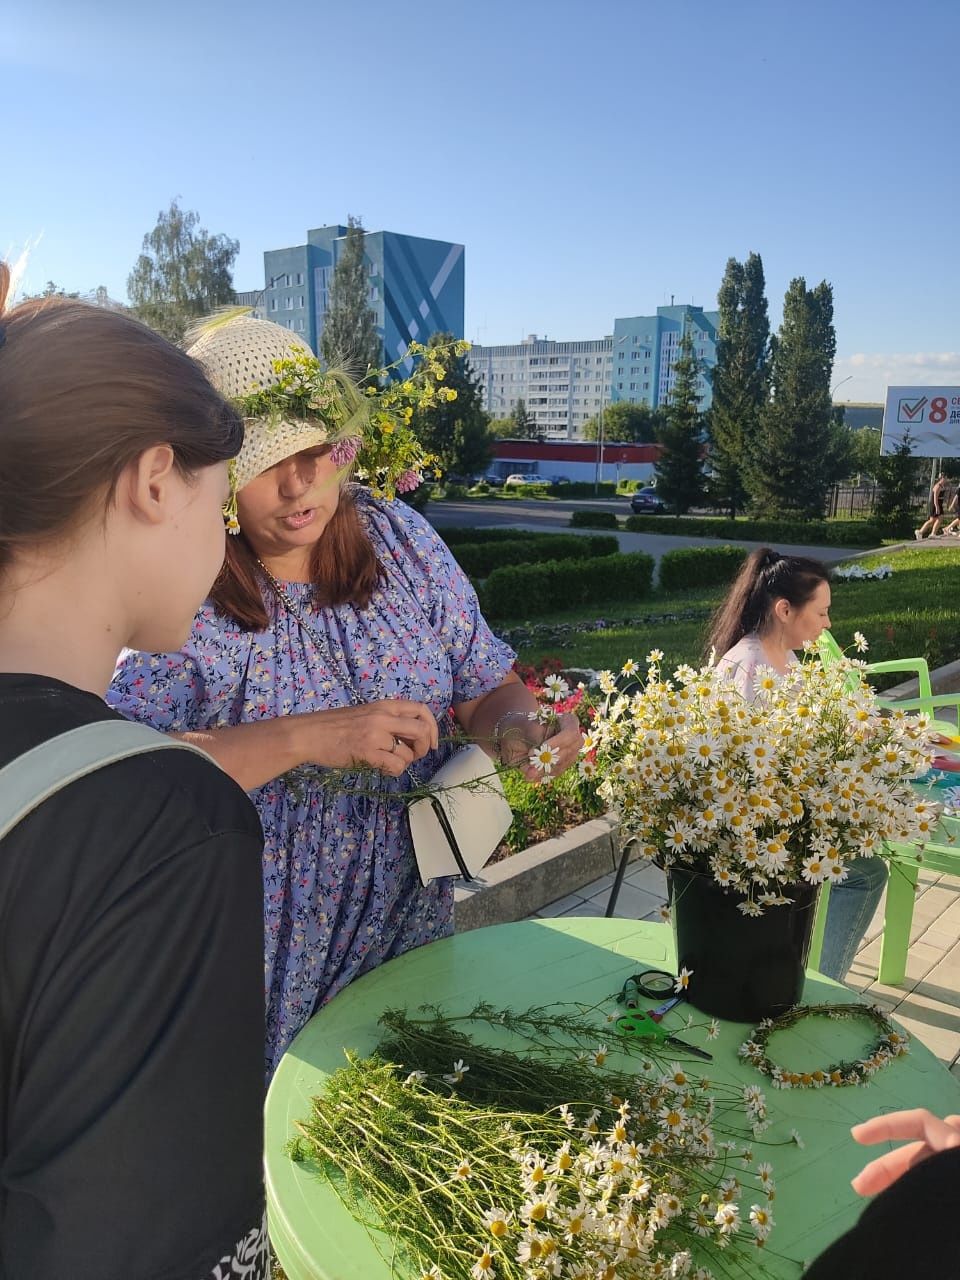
{"points": [[387, 736]]}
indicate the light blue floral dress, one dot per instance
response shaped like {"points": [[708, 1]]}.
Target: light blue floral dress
{"points": [[341, 888]]}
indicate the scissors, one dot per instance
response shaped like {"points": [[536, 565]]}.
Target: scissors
{"points": [[652, 983]]}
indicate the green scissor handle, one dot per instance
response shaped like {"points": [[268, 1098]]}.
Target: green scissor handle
{"points": [[638, 1023]]}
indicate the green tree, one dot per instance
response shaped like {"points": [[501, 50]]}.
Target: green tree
{"points": [[801, 450], [524, 426], [898, 478], [624, 420], [680, 479], [50, 290], [457, 431], [741, 381], [183, 273], [503, 428], [865, 452], [350, 335]]}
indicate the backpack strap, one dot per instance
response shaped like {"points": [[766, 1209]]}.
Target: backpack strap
{"points": [[46, 769]]}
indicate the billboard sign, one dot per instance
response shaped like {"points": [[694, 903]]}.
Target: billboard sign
{"points": [[930, 414]]}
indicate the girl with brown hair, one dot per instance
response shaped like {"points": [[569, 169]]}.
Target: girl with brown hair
{"points": [[776, 605], [342, 636], [130, 908]]}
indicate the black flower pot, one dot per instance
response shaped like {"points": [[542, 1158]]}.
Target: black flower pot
{"points": [[743, 968]]}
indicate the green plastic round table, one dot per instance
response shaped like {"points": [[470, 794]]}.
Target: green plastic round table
{"points": [[585, 960]]}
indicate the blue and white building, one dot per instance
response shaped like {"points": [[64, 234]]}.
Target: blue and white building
{"points": [[564, 384], [416, 286]]}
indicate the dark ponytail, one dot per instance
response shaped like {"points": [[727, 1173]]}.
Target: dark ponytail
{"points": [[766, 577]]}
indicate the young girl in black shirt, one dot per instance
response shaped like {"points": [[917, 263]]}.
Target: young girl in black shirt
{"points": [[131, 992]]}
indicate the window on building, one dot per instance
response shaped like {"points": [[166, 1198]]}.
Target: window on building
{"points": [[299, 277], [273, 304]]}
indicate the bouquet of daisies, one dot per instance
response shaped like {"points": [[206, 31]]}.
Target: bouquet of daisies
{"points": [[761, 794]]}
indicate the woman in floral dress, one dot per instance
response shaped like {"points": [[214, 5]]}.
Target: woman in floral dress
{"points": [[341, 634]]}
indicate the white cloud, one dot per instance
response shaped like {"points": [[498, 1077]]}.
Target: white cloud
{"points": [[870, 373]]}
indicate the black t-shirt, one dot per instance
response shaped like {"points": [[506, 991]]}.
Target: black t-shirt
{"points": [[911, 1229], [131, 1015]]}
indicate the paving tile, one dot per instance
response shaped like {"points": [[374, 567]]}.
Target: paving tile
{"points": [[561, 905], [583, 909], [632, 903], [648, 877]]}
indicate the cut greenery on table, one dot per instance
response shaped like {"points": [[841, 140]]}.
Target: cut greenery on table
{"points": [[482, 1162]]}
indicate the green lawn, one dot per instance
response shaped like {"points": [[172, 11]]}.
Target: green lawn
{"points": [[914, 613]]}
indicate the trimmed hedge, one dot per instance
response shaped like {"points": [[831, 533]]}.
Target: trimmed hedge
{"points": [[700, 567], [523, 590], [594, 520], [477, 560], [455, 534], [842, 533]]}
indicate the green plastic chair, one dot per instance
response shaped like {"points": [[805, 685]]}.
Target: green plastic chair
{"points": [[941, 854], [926, 701]]}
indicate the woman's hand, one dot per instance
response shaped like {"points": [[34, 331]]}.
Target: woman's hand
{"points": [[520, 736], [926, 1134], [387, 736]]}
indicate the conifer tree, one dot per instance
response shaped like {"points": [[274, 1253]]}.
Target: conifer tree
{"points": [[524, 426], [801, 451], [679, 469], [740, 381], [349, 336]]}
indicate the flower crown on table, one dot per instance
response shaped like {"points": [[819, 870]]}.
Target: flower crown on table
{"points": [[760, 794], [290, 403]]}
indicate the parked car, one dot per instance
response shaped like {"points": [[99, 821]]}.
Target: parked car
{"points": [[519, 477], [646, 503], [557, 482], [493, 480]]}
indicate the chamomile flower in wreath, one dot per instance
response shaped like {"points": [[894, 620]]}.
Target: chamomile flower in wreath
{"points": [[460, 1069], [544, 758], [415, 1077], [663, 911], [462, 1171], [682, 981], [433, 1274]]}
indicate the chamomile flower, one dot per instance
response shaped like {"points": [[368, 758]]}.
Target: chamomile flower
{"points": [[557, 687], [713, 1031], [761, 1219], [483, 1268], [460, 1069], [544, 758], [727, 1218], [654, 656], [497, 1221], [462, 1171], [663, 911], [629, 668], [683, 979], [860, 642], [795, 1137]]}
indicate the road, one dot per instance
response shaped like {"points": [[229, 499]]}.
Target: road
{"points": [[553, 517]]}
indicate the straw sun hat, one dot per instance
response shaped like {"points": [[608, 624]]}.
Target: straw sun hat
{"points": [[238, 354]]}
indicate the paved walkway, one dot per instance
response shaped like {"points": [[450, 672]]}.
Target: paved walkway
{"points": [[928, 1003]]}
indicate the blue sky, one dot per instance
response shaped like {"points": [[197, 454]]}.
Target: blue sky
{"points": [[595, 158]]}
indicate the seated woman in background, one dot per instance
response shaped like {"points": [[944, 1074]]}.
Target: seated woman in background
{"points": [[340, 635], [776, 605], [131, 1012]]}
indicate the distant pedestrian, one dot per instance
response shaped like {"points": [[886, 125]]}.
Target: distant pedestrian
{"points": [[937, 500]]}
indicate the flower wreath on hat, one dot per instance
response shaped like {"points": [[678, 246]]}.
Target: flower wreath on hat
{"points": [[290, 403]]}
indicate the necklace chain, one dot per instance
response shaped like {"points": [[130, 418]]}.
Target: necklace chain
{"points": [[338, 668]]}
